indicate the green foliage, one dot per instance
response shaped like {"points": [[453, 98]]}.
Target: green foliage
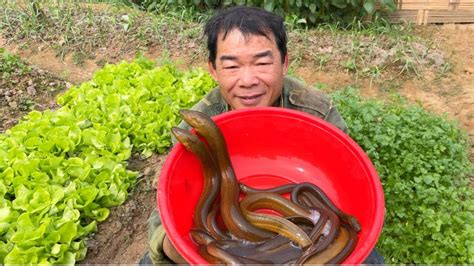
{"points": [[61, 170], [11, 64], [310, 11], [424, 166], [138, 101]]}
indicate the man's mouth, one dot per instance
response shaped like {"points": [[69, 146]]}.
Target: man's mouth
{"points": [[251, 100]]}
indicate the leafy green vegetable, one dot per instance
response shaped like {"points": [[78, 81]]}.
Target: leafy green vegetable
{"points": [[423, 163], [61, 170]]}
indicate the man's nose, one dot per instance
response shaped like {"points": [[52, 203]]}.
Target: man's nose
{"points": [[248, 77]]}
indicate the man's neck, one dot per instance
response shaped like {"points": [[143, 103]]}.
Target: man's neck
{"points": [[277, 103]]}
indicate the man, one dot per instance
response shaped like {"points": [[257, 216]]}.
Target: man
{"points": [[248, 58]]}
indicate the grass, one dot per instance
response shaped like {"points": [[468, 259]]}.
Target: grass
{"points": [[72, 27], [376, 50]]}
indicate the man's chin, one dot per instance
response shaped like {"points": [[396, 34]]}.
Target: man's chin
{"points": [[248, 103], [240, 106]]}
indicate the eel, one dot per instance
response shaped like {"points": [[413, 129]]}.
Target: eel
{"points": [[324, 199], [211, 184], [230, 211], [280, 189], [338, 250]]}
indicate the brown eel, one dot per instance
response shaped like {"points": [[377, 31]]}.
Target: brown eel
{"points": [[339, 249], [280, 225], [230, 210], [324, 199], [280, 189], [212, 179]]}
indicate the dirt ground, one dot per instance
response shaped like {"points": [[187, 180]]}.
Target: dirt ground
{"points": [[123, 237]]}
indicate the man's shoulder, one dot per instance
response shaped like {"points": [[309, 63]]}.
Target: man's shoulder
{"points": [[303, 97], [212, 104]]}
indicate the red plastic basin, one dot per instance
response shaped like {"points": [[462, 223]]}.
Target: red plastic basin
{"points": [[270, 147]]}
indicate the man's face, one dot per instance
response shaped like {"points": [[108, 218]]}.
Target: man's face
{"points": [[249, 70]]}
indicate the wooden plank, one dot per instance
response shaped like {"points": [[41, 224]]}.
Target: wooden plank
{"points": [[432, 4], [420, 16], [453, 4], [466, 5], [423, 12], [423, 17], [403, 15], [423, 4], [454, 16]]}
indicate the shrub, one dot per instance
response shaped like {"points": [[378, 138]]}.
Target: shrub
{"points": [[309, 10]]}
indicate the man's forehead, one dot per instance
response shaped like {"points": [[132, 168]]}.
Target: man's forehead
{"points": [[222, 35]]}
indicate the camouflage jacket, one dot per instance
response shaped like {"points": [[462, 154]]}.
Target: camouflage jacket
{"points": [[296, 95]]}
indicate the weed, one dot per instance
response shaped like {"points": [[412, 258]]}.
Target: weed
{"points": [[321, 86], [79, 57], [446, 68], [322, 60], [65, 74], [350, 65], [390, 86], [26, 104], [11, 64], [294, 65], [408, 65]]}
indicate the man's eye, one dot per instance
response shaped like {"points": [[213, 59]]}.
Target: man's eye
{"points": [[230, 67], [263, 64]]}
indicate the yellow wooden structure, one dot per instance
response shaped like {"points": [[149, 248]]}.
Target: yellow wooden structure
{"points": [[423, 12]]}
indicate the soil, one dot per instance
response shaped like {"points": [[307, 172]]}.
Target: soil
{"points": [[19, 94], [123, 237]]}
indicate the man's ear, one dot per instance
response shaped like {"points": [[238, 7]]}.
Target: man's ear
{"points": [[285, 64], [212, 70]]}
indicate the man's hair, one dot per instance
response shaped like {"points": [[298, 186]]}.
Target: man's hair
{"points": [[249, 21]]}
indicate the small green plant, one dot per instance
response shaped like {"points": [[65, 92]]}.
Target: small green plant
{"points": [[446, 68], [78, 58], [322, 60], [350, 65], [11, 64], [423, 163], [26, 104]]}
